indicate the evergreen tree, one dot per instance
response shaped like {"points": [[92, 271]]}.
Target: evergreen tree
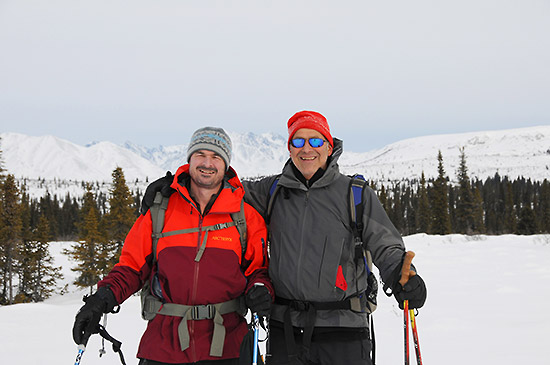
{"points": [[10, 236], [121, 216], [464, 199], [68, 218], [410, 203], [395, 212], [45, 274], [137, 203], [423, 214], [510, 220], [545, 206], [25, 251], [440, 222], [90, 252], [383, 198], [478, 224], [527, 221]]}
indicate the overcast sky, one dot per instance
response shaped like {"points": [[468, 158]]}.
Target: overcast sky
{"points": [[151, 72]]}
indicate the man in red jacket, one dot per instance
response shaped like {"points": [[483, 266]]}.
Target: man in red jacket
{"points": [[198, 274]]}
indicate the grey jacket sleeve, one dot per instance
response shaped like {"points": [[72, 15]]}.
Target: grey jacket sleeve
{"points": [[257, 193], [379, 234]]}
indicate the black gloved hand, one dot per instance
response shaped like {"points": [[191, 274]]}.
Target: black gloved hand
{"points": [[86, 322], [162, 185], [414, 291], [258, 299]]}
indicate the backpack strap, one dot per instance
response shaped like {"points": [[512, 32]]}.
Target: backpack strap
{"points": [[240, 222], [357, 184], [158, 211]]}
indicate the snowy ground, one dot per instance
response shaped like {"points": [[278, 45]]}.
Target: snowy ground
{"points": [[487, 304]]}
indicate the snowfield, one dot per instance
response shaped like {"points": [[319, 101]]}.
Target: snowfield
{"points": [[487, 304]]}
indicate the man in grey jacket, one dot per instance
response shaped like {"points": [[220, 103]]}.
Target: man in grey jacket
{"points": [[317, 281]]}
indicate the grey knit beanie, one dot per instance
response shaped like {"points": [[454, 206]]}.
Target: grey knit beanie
{"points": [[211, 139]]}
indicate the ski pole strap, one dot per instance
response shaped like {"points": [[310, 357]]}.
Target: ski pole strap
{"points": [[116, 343]]}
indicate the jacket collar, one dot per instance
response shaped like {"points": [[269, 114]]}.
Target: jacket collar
{"points": [[228, 199]]}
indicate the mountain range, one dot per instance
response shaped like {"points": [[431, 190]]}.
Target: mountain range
{"points": [[522, 152]]}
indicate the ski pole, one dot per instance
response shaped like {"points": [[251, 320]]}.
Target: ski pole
{"points": [[405, 275], [256, 325], [415, 337], [406, 329], [81, 349]]}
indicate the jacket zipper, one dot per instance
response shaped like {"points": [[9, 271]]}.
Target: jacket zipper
{"points": [[194, 294], [301, 254]]}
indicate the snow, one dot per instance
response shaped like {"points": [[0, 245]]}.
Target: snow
{"points": [[487, 304]]}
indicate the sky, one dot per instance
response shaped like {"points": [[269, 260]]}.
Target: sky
{"points": [[151, 72], [485, 305]]}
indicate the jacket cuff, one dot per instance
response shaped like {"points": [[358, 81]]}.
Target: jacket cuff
{"points": [[107, 295]]}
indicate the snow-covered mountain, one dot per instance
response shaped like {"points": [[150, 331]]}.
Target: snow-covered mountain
{"points": [[514, 152]]}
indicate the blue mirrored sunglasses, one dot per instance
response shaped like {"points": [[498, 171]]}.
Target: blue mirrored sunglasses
{"points": [[313, 142]]}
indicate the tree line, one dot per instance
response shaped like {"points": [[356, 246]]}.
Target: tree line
{"points": [[496, 205], [98, 223]]}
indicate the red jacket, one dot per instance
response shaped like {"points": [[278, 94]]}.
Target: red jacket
{"points": [[220, 275]]}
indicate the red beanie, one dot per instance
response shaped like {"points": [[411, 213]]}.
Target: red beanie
{"points": [[310, 120]]}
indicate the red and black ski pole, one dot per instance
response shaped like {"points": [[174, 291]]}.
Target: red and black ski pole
{"points": [[415, 337], [406, 274]]}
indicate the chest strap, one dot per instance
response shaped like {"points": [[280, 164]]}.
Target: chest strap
{"points": [[205, 229], [196, 313]]}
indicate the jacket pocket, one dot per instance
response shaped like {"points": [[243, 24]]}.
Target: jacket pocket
{"points": [[328, 276]]}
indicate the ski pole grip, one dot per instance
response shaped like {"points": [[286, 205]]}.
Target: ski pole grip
{"points": [[406, 268]]}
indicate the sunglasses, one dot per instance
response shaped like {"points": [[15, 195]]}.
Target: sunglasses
{"points": [[313, 142]]}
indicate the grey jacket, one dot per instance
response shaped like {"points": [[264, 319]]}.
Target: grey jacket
{"points": [[310, 238]]}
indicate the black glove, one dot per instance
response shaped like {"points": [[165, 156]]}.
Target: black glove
{"points": [[87, 319], [162, 185], [259, 300], [414, 291]]}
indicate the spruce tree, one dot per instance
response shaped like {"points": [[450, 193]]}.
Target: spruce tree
{"points": [[464, 199], [395, 208], [545, 206], [90, 252], [25, 251], [10, 236], [121, 216], [478, 224], [510, 219], [45, 274], [440, 222], [423, 213], [527, 221]]}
